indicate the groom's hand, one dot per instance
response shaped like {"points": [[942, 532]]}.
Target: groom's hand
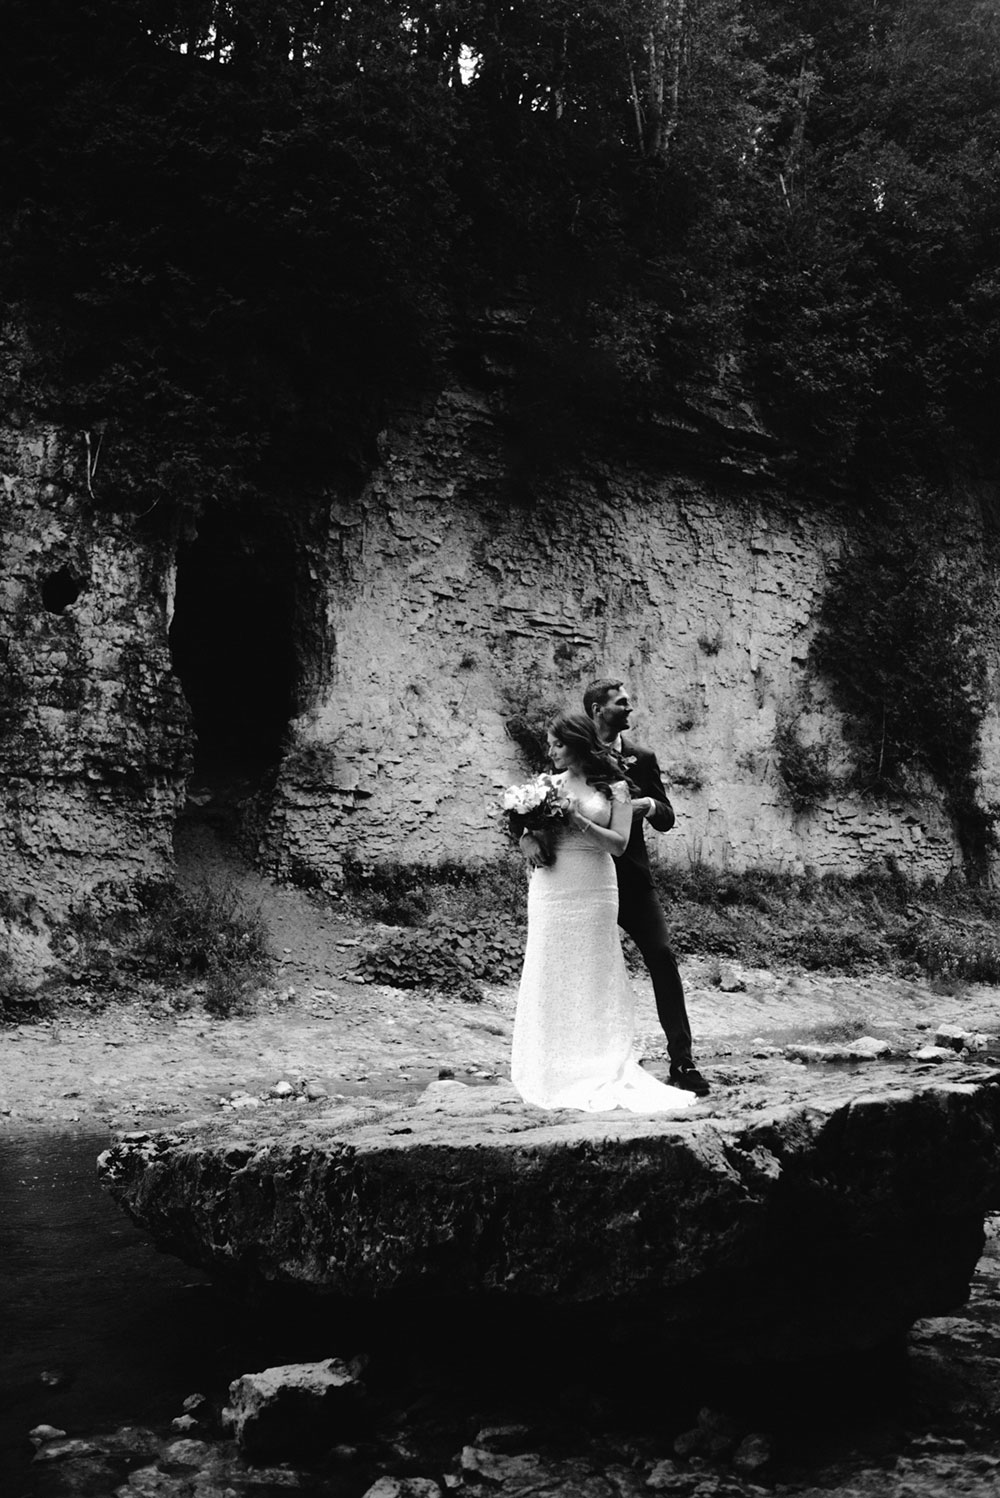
{"points": [[531, 848], [645, 806]]}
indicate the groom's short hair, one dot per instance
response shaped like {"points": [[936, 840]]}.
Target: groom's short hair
{"points": [[597, 692]]}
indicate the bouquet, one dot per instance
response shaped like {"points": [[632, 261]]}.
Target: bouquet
{"points": [[537, 806]]}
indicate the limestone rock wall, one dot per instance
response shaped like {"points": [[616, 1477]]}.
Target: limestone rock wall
{"points": [[94, 735], [459, 602]]}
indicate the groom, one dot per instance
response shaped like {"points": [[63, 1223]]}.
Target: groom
{"points": [[608, 705]]}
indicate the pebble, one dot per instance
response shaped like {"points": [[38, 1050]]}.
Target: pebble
{"points": [[42, 1433], [187, 1452], [63, 1449]]}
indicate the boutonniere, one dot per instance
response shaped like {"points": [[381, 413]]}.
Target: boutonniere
{"points": [[629, 759]]}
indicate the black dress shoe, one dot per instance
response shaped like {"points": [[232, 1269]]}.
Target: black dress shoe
{"points": [[687, 1075]]}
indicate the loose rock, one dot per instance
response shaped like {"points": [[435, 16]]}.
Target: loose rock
{"points": [[404, 1487], [43, 1433], [295, 1411]]}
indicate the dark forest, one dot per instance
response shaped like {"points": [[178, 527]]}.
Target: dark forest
{"points": [[234, 232]]}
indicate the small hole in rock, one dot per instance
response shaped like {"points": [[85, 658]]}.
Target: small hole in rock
{"points": [[60, 589]]}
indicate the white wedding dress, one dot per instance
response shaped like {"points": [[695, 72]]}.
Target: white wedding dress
{"points": [[575, 1021]]}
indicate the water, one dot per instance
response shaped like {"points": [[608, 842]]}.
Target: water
{"points": [[97, 1329]]}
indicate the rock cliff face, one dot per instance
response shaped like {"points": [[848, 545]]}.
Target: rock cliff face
{"points": [[399, 634], [94, 730], [460, 602], [826, 1223]]}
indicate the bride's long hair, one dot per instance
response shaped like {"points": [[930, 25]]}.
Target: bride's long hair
{"points": [[597, 762]]}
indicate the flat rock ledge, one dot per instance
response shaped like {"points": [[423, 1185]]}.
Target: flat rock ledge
{"points": [[819, 1215]]}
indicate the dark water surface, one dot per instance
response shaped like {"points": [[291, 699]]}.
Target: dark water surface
{"points": [[97, 1329]]}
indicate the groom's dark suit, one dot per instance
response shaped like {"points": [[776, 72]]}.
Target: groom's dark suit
{"points": [[639, 910]]}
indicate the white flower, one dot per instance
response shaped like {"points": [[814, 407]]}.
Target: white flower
{"points": [[540, 794], [526, 797]]}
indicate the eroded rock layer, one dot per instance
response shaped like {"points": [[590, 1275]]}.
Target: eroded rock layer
{"points": [[826, 1222]]}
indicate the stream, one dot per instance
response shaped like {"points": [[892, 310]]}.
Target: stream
{"points": [[99, 1330]]}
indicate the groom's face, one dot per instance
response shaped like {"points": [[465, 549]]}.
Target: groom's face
{"points": [[616, 712]]}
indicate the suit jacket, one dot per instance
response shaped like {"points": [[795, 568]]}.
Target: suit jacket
{"points": [[644, 772]]}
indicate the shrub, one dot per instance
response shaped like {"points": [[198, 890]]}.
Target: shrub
{"points": [[687, 774], [761, 917], [208, 933], [836, 948], [529, 705], [900, 637], [804, 768], [407, 894], [841, 1031], [950, 952], [400, 894], [447, 958]]}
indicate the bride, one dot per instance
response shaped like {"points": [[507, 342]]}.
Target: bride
{"points": [[575, 1021]]}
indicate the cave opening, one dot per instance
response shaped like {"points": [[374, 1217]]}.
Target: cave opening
{"points": [[232, 641]]}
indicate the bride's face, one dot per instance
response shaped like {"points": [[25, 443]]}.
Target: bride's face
{"points": [[558, 753]]}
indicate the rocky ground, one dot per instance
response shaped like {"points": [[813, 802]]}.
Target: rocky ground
{"points": [[159, 1057], [95, 1063], [92, 1062], [316, 1034]]}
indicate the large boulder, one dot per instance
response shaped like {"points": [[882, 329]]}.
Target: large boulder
{"points": [[824, 1215]]}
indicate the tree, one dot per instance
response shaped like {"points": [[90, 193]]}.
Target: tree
{"points": [[239, 229]]}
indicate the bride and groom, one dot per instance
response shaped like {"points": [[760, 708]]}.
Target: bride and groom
{"points": [[575, 1023]]}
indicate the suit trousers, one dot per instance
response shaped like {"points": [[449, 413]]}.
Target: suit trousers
{"points": [[641, 915]]}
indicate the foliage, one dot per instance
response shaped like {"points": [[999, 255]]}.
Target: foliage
{"points": [[688, 774], [871, 312], [448, 957], [460, 946], [877, 921], [400, 894], [207, 938], [804, 768], [208, 934], [236, 233], [945, 950], [529, 704], [900, 637], [841, 948]]}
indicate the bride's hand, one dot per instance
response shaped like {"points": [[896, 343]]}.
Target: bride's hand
{"points": [[575, 817]]}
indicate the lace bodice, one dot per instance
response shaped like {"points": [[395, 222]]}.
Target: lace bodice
{"points": [[594, 804]]}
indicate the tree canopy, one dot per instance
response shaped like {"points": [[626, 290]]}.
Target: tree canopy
{"points": [[233, 232]]}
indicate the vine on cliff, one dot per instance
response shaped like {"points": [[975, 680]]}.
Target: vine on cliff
{"points": [[804, 768], [529, 702], [901, 638]]}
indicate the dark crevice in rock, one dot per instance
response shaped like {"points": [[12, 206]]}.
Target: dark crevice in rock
{"points": [[232, 644]]}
